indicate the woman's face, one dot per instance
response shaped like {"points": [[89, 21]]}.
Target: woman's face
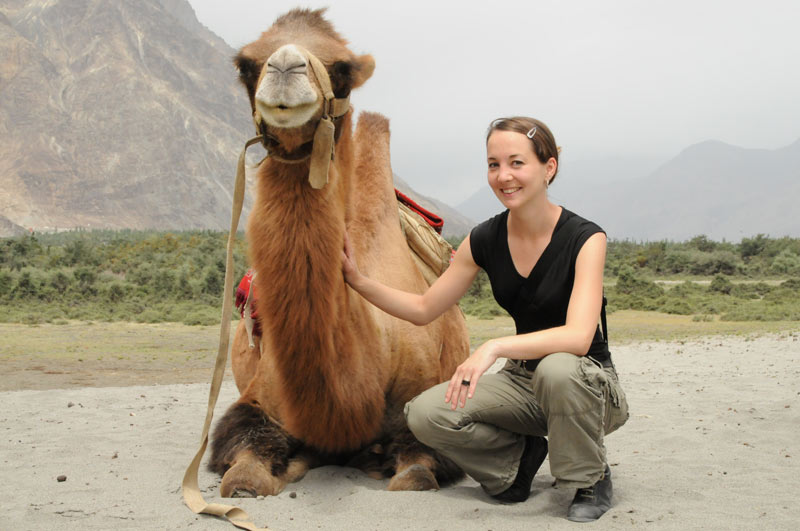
{"points": [[514, 172]]}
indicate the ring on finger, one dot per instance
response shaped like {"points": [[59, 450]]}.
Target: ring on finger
{"points": [[465, 382]]}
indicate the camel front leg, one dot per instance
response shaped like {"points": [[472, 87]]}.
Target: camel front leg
{"points": [[417, 466], [249, 476], [244, 358], [254, 455]]}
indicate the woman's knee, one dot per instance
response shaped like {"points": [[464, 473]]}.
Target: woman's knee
{"points": [[555, 371], [431, 420]]}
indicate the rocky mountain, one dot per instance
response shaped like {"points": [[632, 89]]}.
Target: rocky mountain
{"points": [[117, 114], [711, 188]]}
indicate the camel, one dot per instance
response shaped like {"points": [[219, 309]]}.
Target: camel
{"points": [[329, 375]]}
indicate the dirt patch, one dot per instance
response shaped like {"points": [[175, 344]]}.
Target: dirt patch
{"points": [[78, 354], [50, 356]]}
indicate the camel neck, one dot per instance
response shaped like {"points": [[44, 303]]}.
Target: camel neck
{"points": [[296, 236]]}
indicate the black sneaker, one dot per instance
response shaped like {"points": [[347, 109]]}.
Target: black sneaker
{"points": [[591, 503], [532, 458]]}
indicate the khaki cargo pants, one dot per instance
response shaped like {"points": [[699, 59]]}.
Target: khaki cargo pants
{"points": [[570, 399]]}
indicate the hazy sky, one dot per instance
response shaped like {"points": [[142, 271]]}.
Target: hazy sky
{"points": [[611, 78]]}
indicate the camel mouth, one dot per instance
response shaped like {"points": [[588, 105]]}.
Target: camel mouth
{"points": [[286, 116]]}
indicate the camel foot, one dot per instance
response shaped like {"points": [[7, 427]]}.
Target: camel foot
{"points": [[248, 478], [239, 492], [415, 477]]}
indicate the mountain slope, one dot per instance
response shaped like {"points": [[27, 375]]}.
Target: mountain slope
{"points": [[120, 114], [116, 114]]}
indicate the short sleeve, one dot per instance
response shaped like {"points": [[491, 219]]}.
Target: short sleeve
{"points": [[483, 237], [477, 244], [585, 230]]}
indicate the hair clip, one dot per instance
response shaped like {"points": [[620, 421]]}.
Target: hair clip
{"points": [[531, 132]]}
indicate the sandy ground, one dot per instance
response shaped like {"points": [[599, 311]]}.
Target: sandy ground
{"points": [[713, 442]]}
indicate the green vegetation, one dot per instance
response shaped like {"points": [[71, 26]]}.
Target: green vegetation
{"points": [[153, 277], [145, 277], [757, 279]]}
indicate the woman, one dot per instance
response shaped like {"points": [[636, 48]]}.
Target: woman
{"points": [[545, 265]]}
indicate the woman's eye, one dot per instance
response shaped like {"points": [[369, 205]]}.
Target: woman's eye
{"points": [[493, 165], [516, 163]]}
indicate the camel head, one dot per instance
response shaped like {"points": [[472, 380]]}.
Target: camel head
{"points": [[284, 73]]}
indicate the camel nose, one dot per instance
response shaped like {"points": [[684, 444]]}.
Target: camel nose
{"points": [[286, 84], [287, 59]]}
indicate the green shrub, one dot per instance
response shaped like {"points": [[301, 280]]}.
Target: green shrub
{"points": [[202, 316], [26, 287], [6, 284], [629, 283], [721, 284], [786, 263], [676, 306], [792, 284]]}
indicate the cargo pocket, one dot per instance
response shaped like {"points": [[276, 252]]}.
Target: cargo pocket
{"points": [[616, 413]]}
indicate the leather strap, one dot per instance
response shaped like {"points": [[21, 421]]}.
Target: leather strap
{"points": [[603, 320], [191, 491]]}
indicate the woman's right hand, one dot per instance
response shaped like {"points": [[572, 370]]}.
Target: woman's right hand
{"points": [[349, 267]]}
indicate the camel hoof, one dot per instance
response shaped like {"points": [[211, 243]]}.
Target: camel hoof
{"points": [[415, 477], [239, 492], [249, 478]]}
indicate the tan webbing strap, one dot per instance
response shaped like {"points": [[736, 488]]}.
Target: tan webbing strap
{"points": [[322, 150], [191, 491]]}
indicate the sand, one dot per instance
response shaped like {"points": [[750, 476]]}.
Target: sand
{"points": [[712, 443]]}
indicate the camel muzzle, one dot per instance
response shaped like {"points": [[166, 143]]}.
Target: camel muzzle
{"points": [[294, 96]]}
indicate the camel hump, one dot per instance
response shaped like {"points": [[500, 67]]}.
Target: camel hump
{"points": [[373, 124], [371, 146]]}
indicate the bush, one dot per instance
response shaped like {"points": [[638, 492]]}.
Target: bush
{"points": [[792, 284], [677, 307], [629, 283], [26, 288], [6, 284], [202, 316], [116, 292], [750, 247], [786, 263], [721, 284]]}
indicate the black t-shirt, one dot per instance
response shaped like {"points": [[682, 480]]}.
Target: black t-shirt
{"points": [[540, 300]]}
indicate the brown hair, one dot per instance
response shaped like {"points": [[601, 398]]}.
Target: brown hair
{"points": [[542, 140]]}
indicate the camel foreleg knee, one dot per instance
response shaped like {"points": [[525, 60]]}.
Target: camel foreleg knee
{"points": [[251, 453]]}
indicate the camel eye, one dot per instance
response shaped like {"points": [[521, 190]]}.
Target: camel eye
{"points": [[341, 78]]}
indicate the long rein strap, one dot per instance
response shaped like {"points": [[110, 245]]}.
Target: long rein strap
{"points": [[191, 491]]}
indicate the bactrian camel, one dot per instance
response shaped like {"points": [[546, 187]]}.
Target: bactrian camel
{"points": [[329, 375]]}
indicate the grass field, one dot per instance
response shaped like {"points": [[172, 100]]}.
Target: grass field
{"points": [[85, 354], [626, 326]]}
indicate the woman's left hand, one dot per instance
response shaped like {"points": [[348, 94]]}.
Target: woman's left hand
{"points": [[470, 371]]}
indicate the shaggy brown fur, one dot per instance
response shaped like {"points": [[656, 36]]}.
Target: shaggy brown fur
{"points": [[332, 370]]}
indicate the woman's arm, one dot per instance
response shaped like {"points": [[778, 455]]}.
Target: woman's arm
{"points": [[575, 336], [412, 307]]}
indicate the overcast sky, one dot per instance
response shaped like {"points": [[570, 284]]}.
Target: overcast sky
{"points": [[611, 78]]}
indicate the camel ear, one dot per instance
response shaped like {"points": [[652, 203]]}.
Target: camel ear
{"points": [[364, 67]]}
